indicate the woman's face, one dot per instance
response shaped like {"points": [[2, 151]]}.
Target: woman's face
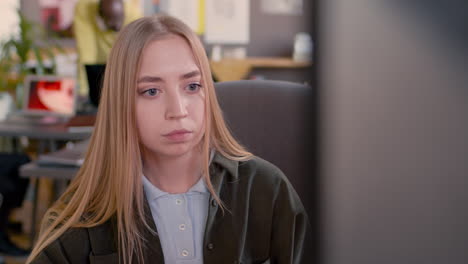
{"points": [[169, 98]]}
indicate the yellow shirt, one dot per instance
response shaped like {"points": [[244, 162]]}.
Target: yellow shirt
{"points": [[93, 40]]}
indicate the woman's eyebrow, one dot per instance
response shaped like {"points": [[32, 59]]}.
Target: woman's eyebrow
{"points": [[149, 79], [190, 74], [152, 79]]}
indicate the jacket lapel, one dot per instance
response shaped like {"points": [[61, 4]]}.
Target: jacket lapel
{"points": [[221, 228]]}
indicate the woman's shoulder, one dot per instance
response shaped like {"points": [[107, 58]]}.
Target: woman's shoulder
{"points": [[79, 244], [252, 168], [261, 169], [266, 185], [73, 246], [266, 182]]}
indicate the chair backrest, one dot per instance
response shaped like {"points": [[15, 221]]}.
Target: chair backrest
{"points": [[271, 119]]}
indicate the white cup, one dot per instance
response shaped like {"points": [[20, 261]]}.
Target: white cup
{"points": [[302, 47], [6, 105], [216, 53]]}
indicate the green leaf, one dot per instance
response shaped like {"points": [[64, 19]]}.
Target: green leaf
{"points": [[51, 56], [40, 63], [32, 38]]}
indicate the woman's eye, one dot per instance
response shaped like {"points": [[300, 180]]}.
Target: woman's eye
{"points": [[193, 87], [151, 92]]}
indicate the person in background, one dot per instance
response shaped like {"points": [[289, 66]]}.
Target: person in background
{"points": [[95, 25], [164, 180]]}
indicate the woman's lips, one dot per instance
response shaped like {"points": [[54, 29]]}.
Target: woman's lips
{"points": [[178, 135]]}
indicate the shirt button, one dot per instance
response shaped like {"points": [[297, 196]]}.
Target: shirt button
{"points": [[178, 201], [182, 227], [185, 253], [210, 246]]}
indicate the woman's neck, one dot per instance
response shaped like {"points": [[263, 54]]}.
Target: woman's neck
{"points": [[173, 174]]}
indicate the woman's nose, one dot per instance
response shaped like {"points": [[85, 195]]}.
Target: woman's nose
{"points": [[176, 107]]}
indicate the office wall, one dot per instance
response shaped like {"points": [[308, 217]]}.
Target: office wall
{"points": [[273, 35], [270, 35], [10, 20], [394, 132]]}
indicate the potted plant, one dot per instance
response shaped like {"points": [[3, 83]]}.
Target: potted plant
{"points": [[31, 44]]}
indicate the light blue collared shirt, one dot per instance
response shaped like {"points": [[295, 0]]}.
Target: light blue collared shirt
{"points": [[180, 221]]}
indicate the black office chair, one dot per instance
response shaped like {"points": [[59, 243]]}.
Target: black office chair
{"points": [[272, 119], [276, 121]]}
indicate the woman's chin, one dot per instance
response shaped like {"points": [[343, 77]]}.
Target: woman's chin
{"points": [[174, 151]]}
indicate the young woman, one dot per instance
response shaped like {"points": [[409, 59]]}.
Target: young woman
{"points": [[164, 181]]}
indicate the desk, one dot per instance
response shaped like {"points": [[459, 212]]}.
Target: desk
{"points": [[44, 133], [33, 170]]}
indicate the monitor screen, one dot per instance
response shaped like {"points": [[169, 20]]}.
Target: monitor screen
{"points": [[45, 95]]}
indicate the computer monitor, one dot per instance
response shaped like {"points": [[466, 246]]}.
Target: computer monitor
{"points": [[393, 90], [49, 95], [95, 75]]}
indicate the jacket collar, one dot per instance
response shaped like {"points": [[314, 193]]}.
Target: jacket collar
{"points": [[152, 192], [222, 170], [231, 166]]}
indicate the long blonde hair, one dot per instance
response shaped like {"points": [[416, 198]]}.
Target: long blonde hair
{"points": [[109, 182]]}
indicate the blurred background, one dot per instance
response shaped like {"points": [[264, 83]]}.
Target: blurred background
{"points": [[258, 28]]}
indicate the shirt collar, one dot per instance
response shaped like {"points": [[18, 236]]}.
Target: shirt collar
{"points": [[200, 187], [231, 166], [154, 192]]}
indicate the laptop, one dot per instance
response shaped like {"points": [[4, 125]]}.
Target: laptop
{"points": [[95, 76], [47, 99]]}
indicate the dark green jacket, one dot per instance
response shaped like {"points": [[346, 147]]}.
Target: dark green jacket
{"points": [[267, 223]]}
